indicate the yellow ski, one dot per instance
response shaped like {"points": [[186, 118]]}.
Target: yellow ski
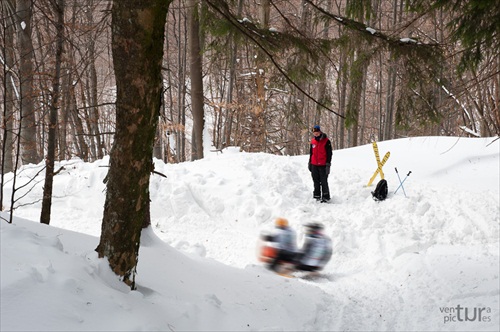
{"points": [[380, 164]]}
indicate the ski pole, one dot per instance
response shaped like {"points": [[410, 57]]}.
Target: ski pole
{"points": [[399, 181], [401, 185]]}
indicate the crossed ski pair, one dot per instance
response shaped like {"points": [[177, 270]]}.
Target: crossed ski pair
{"points": [[380, 164], [379, 170]]}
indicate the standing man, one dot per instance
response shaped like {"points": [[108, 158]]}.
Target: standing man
{"points": [[320, 158]]}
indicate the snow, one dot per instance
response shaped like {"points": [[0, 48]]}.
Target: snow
{"points": [[371, 30], [470, 131], [426, 261], [408, 40]]}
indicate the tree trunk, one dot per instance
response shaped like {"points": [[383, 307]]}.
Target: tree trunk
{"points": [[9, 97], [137, 42], [180, 129], [258, 124], [196, 80], [357, 77], [28, 121], [92, 91], [391, 83], [51, 141], [342, 93], [8, 100], [230, 109], [64, 150]]}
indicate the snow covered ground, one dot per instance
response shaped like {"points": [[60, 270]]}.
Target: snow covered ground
{"points": [[427, 260]]}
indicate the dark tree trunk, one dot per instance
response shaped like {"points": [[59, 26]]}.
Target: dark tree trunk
{"points": [[137, 42], [196, 81], [51, 141]]}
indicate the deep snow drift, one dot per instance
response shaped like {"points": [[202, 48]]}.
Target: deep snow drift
{"points": [[427, 260]]}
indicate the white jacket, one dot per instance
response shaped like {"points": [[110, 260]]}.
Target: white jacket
{"points": [[317, 250], [285, 239]]}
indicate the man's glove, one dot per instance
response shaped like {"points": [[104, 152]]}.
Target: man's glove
{"points": [[309, 166], [328, 169], [269, 238]]}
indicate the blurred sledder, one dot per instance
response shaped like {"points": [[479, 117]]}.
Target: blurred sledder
{"points": [[278, 250]]}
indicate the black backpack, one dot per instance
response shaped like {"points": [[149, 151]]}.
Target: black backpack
{"points": [[380, 192]]}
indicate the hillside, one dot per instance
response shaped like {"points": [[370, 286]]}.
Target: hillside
{"points": [[421, 260]]}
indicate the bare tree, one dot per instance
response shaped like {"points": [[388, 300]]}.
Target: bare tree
{"points": [[197, 101], [259, 109], [176, 77], [58, 9], [9, 88]]}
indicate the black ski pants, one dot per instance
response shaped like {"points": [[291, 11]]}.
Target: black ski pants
{"points": [[282, 256], [320, 179], [307, 268]]}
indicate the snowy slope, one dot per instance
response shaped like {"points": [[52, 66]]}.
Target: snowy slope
{"points": [[425, 261]]}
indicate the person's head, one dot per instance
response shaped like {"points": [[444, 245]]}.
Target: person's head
{"points": [[281, 222], [313, 228], [316, 130]]}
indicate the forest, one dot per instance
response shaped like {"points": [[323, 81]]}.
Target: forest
{"points": [[268, 70], [153, 78]]}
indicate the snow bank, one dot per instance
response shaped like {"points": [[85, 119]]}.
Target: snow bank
{"points": [[427, 258]]}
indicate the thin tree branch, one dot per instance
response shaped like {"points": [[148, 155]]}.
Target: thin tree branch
{"points": [[248, 31]]}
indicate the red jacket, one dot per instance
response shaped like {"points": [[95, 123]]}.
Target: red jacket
{"points": [[320, 152]]}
